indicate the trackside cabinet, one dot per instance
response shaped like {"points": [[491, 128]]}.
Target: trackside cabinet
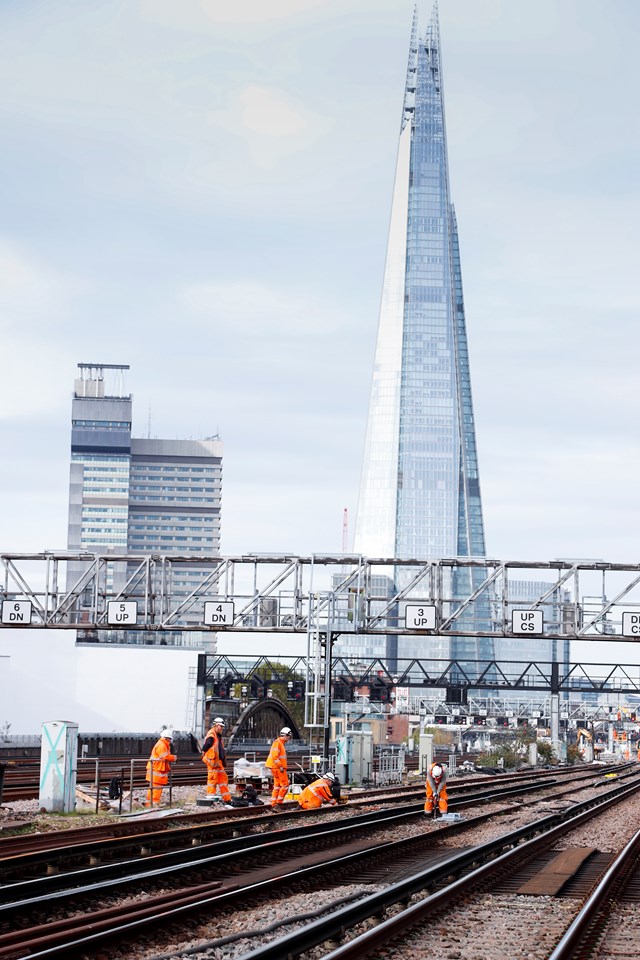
{"points": [[58, 766], [354, 757], [425, 752]]}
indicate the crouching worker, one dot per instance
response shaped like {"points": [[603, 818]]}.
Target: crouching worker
{"points": [[436, 788], [318, 792], [158, 767], [214, 755]]}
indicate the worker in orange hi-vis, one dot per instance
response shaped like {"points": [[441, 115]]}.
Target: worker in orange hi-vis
{"points": [[214, 755], [277, 763], [436, 787], [318, 792], [158, 767]]}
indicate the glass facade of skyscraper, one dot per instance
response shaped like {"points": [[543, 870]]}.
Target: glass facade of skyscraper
{"points": [[420, 491]]}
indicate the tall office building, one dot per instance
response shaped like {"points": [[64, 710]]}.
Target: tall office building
{"points": [[420, 490], [141, 496]]}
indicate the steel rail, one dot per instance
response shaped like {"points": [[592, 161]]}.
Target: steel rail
{"points": [[593, 907], [533, 837], [216, 854], [146, 833], [94, 846], [145, 916]]}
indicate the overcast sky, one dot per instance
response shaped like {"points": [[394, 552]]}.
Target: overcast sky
{"points": [[202, 190]]}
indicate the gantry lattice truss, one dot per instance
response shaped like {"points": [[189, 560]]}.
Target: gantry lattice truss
{"points": [[340, 594], [326, 597]]}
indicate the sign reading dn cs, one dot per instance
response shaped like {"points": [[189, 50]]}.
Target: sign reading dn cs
{"points": [[218, 613], [630, 624]]}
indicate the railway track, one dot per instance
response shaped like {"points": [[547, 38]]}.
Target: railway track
{"points": [[431, 911], [22, 776], [216, 874], [22, 780], [123, 837]]}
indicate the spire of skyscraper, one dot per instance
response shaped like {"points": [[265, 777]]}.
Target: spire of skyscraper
{"points": [[420, 493]]}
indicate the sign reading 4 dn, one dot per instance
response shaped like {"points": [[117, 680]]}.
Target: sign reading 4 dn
{"points": [[218, 613]]}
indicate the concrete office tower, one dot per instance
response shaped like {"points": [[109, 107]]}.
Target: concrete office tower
{"points": [[139, 495], [420, 490]]}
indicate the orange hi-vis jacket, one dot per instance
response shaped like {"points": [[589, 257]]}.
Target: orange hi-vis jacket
{"points": [[316, 794], [277, 755], [214, 757], [161, 759]]}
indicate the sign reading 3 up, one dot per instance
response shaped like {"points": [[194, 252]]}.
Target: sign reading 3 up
{"points": [[420, 617]]}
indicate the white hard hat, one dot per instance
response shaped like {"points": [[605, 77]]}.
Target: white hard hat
{"points": [[329, 776], [219, 720], [286, 731], [436, 770], [167, 733]]}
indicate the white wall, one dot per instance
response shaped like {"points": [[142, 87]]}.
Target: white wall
{"points": [[102, 688]]}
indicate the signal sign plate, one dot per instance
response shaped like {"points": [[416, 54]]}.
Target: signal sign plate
{"points": [[630, 624], [527, 622], [420, 617], [122, 613], [16, 613], [218, 613]]}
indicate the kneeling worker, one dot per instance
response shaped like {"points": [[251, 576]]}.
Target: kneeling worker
{"points": [[436, 788], [318, 792]]}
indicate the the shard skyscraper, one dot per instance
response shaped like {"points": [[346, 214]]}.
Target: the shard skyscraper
{"points": [[420, 491]]}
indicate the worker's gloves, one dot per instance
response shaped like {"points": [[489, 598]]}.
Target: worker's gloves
{"points": [[281, 769]]}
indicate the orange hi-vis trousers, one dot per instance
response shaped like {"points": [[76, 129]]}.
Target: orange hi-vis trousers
{"points": [[280, 786], [217, 777], [443, 804]]}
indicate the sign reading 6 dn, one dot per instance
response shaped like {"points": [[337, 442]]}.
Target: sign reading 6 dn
{"points": [[16, 612]]}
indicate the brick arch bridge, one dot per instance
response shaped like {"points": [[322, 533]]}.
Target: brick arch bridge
{"points": [[258, 720]]}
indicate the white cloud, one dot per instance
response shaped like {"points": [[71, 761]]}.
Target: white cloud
{"points": [[266, 312], [30, 287], [248, 14], [272, 123], [34, 298]]}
